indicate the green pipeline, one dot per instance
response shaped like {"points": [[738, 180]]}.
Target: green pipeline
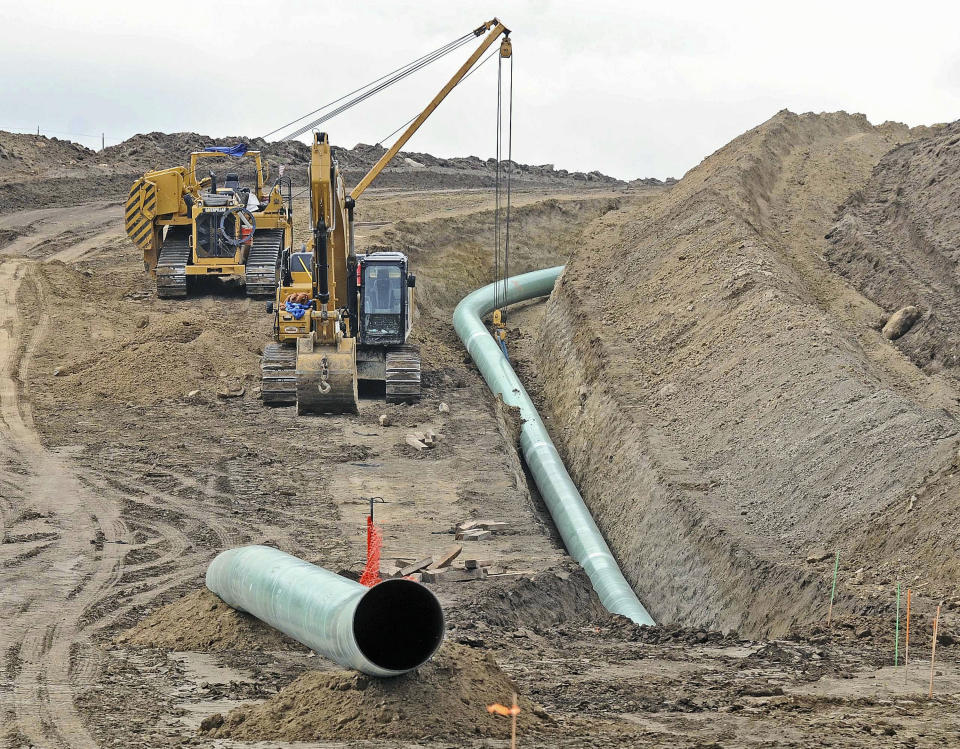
{"points": [[385, 630], [583, 539]]}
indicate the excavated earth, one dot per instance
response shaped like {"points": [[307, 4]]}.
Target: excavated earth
{"points": [[712, 368]]}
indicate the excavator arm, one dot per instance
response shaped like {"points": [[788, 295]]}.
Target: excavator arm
{"points": [[495, 29]]}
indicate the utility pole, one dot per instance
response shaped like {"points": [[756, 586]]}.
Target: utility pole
{"points": [[103, 141]]}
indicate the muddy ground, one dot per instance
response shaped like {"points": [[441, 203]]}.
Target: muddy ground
{"points": [[124, 472]]}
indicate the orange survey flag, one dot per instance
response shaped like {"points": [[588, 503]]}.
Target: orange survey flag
{"points": [[371, 571], [498, 709]]}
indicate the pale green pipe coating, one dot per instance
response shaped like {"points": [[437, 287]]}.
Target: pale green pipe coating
{"points": [[311, 604], [583, 539]]}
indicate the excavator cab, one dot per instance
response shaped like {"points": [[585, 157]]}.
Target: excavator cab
{"points": [[385, 299]]}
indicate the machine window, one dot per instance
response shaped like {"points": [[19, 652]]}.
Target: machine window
{"points": [[301, 262], [383, 290], [382, 296]]}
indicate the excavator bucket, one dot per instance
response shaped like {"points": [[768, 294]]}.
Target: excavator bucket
{"points": [[327, 377]]}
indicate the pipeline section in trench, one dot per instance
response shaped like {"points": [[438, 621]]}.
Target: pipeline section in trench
{"points": [[386, 630], [577, 528]]}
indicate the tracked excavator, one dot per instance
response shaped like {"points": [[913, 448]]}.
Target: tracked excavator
{"points": [[340, 315], [189, 226]]}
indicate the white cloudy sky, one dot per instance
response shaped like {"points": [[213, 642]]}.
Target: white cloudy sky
{"points": [[630, 88]]}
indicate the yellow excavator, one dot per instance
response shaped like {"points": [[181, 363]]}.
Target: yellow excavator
{"points": [[189, 226], [340, 315]]}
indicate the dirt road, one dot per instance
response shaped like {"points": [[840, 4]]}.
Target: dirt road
{"points": [[52, 518]]}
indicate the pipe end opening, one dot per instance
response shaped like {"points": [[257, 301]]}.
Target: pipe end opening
{"points": [[398, 625]]}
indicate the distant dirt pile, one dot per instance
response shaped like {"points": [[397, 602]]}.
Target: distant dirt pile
{"points": [[898, 241], [445, 698], [30, 154], [201, 621], [725, 401], [38, 171]]}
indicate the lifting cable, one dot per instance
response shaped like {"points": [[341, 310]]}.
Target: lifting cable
{"points": [[501, 230], [476, 67], [374, 87]]}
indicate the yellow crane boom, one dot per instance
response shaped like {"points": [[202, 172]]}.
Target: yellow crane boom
{"points": [[496, 28]]}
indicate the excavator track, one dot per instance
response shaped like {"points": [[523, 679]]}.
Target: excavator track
{"points": [[403, 374], [278, 372], [172, 263], [263, 262]]}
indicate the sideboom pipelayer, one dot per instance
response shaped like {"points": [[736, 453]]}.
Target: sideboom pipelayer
{"points": [[339, 316]]}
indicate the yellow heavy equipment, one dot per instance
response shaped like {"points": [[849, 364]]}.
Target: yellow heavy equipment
{"points": [[189, 226], [340, 315]]}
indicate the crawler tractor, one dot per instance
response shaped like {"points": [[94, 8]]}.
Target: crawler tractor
{"points": [[189, 227]]}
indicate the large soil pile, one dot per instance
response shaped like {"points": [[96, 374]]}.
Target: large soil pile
{"points": [[38, 171], [447, 697], [724, 401], [896, 241], [164, 350], [24, 155]]}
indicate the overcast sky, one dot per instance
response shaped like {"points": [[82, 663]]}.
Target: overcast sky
{"points": [[633, 89]]}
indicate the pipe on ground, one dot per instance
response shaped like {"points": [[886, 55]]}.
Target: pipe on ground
{"points": [[386, 630], [571, 516]]}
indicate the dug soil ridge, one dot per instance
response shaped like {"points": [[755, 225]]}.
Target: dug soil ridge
{"points": [[716, 392]]}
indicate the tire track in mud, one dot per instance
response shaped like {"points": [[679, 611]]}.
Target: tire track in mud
{"points": [[70, 518], [43, 604], [50, 608]]}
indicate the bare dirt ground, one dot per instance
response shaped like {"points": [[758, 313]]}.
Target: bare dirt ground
{"points": [[124, 473]]}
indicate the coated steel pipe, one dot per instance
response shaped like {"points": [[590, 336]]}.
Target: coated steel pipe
{"points": [[571, 516], [385, 630]]}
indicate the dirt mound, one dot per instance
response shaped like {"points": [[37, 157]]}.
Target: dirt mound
{"points": [[447, 697], [201, 621], [141, 354], [37, 154], [40, 172], [558, 596], [896, 241], [701, 345]]}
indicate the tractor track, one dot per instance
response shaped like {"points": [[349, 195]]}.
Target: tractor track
{"points": [[70, 572], [68, 520]]}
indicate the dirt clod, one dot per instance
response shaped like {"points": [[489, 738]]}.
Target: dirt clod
{"points": [[900, 322]]}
